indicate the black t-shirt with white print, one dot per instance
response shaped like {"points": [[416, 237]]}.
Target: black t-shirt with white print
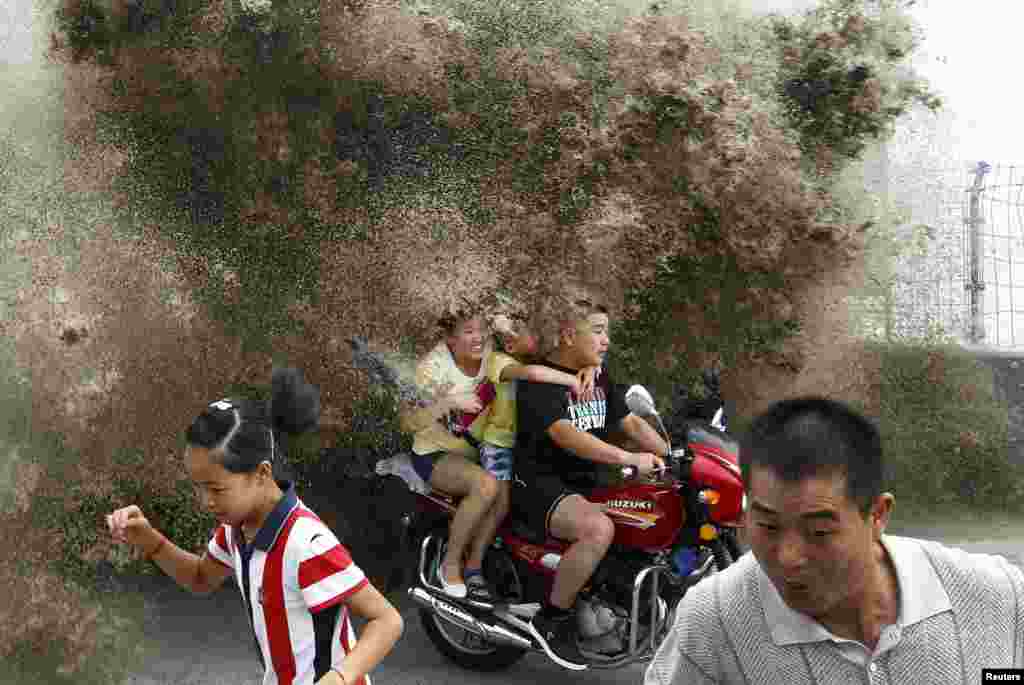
{"points": [[540, 405]]}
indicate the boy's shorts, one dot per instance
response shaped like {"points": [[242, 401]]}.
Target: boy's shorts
{"points": [[496, 461]]}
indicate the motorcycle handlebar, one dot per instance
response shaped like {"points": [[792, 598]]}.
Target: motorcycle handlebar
{"points": [[631, 472]]}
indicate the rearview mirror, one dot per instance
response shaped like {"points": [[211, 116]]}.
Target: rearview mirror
{"points": [[640, 401], [719, 420]]}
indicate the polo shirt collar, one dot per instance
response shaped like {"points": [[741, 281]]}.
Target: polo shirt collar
{"points": [[922, 596], [268, 533]]}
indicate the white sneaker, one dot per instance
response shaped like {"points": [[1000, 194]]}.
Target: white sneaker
{"points": [[456, 590]]}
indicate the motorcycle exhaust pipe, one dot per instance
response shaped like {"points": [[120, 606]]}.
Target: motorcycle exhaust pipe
{"points": [[466, 621]]}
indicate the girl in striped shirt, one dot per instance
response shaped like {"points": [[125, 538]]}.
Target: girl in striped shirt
{"points": [[297, 581]]}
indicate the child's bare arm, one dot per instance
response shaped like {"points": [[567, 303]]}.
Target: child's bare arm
{"points": [[414, 417], [539, 374], [378, 638], [199, 575]]}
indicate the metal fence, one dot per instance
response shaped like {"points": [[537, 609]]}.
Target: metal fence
{"points": [[961, 272], [994, 237]]}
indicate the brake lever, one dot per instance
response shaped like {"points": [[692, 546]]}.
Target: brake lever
{"points": [[659, 473]]}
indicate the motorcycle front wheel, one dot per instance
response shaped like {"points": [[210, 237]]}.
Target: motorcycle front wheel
{"points": [[722, 553], [732, 543]]}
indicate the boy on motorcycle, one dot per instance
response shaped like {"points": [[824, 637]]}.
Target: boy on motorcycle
{"points": [[499, 430], [561, 439]]}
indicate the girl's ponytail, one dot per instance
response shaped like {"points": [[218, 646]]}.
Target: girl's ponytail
{"points": [[246, 433], [294, 403]]}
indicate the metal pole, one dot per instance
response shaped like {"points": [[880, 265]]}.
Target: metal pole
{"points": [[1010, 254], [977, 284]]}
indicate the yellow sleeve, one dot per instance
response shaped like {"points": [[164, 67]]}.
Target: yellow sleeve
{"points": [[496, 363]]}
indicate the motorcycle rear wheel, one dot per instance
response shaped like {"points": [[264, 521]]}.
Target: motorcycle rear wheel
{"points": [[466, 649], [463, 647]]}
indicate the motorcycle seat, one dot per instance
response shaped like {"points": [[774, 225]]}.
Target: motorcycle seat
{"points": [[519, 528], [512, 524]]}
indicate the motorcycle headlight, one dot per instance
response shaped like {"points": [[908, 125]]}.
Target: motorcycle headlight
{"points": [[743, 506]]}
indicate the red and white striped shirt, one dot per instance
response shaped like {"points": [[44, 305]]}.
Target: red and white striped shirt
{"points": [[294, 578]]}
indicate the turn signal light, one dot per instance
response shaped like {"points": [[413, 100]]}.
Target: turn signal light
{"points": [[710, 497], [708, 532]]}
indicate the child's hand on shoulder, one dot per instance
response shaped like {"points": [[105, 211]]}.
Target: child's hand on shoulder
{"points": [[502, 324], [587, 378]]}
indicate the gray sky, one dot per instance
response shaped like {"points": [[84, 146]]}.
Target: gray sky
{"points": [[16, 28], [968, 55]]}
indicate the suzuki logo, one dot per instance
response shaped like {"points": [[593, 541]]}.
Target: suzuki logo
{"points": [[639, 505]]}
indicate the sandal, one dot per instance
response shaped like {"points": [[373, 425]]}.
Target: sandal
{"points": [[477, 588]]}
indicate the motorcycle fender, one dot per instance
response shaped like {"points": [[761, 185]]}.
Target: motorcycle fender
{"points": [[416, 525]]}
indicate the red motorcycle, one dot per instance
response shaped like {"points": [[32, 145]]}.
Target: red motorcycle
{"points": [[669, 534]]}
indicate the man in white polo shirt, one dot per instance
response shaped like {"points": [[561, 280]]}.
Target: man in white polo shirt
{"points": [[825, 597]]}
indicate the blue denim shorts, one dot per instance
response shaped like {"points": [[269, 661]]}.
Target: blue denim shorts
{"points": [[496, 461]]}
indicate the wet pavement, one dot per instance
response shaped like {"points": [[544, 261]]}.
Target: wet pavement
{"points": [[206, 640]]}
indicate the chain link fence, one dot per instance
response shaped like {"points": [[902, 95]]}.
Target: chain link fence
{"points": [[958, 271], [1000, 255]]}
